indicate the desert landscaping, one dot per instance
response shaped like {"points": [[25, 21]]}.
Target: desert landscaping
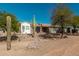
{"points": [[36, 31]]}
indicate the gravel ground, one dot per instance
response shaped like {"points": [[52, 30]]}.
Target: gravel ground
{"points": [[47, 47]]}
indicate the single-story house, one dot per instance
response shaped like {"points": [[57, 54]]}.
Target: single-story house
{"points": [[27, 28]]}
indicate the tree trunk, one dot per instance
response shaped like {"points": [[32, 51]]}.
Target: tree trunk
{"points": [[62, 31], [62, 26]]}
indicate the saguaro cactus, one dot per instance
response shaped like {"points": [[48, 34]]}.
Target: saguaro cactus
{"points": [[8, 32], [34, 26]]}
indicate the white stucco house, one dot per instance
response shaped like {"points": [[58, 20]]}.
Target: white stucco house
{"points": [[26, 28]]}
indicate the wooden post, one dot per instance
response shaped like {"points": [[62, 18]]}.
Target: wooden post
{"points": [[8, 32]]}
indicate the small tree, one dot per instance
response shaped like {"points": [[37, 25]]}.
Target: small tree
{"points": [[61, 16], [75, 21], [14, 22]]}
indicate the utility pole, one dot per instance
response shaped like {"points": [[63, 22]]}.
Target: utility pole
{"points": [[8, 32]]}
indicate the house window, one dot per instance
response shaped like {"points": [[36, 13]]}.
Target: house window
{"points": [[27, 27]]}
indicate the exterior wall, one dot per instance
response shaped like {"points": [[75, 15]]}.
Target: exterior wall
{"points": [[25, 28], [52, 30], [40, 28]]}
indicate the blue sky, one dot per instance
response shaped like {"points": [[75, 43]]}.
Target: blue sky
{"points": [[42, 12]]}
